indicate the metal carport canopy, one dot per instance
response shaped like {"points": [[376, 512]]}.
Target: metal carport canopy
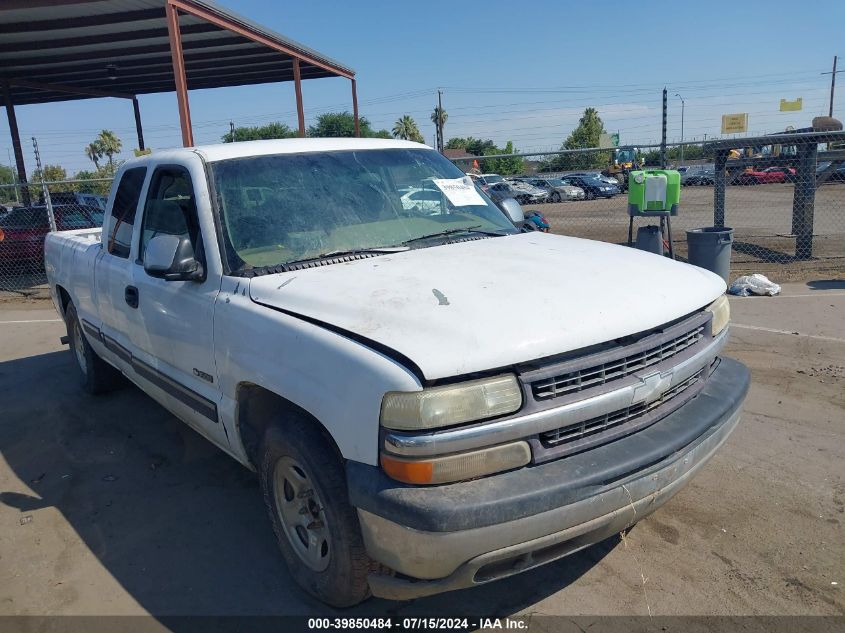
{"points": [[59, 50]]}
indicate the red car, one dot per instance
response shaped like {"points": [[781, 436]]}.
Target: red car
{"points": [[23, 230], [770, 174]]}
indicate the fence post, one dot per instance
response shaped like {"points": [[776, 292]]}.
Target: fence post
{"points": [[804, 200], [720, 183]]}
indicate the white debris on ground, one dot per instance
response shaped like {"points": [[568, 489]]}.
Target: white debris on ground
{"points": [[755, 284]]}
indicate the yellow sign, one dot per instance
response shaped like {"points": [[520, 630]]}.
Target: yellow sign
{"points": [[791, 106], [734, 123]]}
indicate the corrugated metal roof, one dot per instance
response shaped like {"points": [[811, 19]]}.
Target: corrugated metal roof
{"points": [[122, 46]]}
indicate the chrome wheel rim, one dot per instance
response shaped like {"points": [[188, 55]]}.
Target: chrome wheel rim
{"points": [[79, 348], [300, 510]]}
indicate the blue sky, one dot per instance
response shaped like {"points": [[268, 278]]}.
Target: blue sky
{"points": [[509, 71]]}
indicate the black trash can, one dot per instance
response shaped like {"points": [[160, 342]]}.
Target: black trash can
{"points": [[710, 248], [649, 239]]}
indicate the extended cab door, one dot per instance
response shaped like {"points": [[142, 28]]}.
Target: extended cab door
{"points": [[173, 343], [113, 271]]}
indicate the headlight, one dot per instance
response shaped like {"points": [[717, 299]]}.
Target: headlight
{"points": [[721, 311], [451, 404]]}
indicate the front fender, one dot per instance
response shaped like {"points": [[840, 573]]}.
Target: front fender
{"points": [[338, 380]]}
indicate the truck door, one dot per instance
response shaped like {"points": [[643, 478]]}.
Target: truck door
{"points": [[173, 342], [113, 269]]}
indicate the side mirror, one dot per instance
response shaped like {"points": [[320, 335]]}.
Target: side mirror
{"points": [[172, 258], [514, 212]]}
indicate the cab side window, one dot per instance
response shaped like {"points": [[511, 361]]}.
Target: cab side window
{"points": [[117, 235], [170, 209]]}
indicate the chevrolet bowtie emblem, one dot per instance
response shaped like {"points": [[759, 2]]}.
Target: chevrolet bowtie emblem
{"points": [[653, 386]]}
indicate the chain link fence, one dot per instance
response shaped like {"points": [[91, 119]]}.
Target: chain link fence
{"points": [[29, 212], [783, 197]]}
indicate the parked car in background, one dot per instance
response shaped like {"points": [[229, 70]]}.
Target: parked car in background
{"points": [[485, 180], [535, 194], [76, 197], [501, 190], [838, 174], [23, 230], [698, 176], [593, 186], [764, 176], [788, 173], [557, 190]]}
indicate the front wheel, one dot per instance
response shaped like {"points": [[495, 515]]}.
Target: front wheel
{"points": [[318, 533]]}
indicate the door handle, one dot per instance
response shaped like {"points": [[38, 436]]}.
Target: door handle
{"points": [[130, 294]]}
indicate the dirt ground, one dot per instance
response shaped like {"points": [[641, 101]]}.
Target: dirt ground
{"points": [[109, 505]]}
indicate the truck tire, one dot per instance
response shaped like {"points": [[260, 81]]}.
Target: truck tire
{"points": [[304, 486], [97, 376]]}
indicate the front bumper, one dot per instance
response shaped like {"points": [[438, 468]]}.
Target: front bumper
{"points": [[442, 538]]}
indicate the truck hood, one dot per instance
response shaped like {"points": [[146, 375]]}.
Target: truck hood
{"points": [[481, 305]]}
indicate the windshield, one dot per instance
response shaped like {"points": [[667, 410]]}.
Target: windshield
{"points": [[556, 182], [289, 207], [493, 179]]}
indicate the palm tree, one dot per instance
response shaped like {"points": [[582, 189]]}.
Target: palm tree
{"points": [[109, 144], [406, 129], [439, 114], [94, 152]]}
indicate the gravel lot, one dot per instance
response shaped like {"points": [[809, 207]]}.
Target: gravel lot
{"points": [[110, 506]]}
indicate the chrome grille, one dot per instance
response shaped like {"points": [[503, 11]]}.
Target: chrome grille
{"points": [[616, 418], [602, 373]]}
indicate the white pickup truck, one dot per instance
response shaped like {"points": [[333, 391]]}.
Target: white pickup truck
{"points": [[422, 414]]}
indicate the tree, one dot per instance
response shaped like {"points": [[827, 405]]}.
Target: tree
{"points": [[406, 129], [587, 134], [260, 132], [440, 115], [7, 177], [94, 152], [475, 146], [110, 144], [504, 166], [334, 124], [50, 173]]}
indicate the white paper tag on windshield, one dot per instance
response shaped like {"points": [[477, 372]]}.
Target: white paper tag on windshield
{"points": [[461, 192]]}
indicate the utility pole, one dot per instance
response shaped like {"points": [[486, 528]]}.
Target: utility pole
{"points": [[663, 135], [44, 188], [232, 130], [440, 142], [683, 104], [832, 84]]}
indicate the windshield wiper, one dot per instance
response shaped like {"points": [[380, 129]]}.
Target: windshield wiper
{"points": [[466, 229], [386, 250]]}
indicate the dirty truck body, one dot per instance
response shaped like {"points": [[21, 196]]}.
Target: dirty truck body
{"points": [[371, 363]]}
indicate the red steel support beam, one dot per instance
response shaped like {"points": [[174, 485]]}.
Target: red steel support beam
{"points": [[179, 73], [297, 84], [234, 27], [355, 109], [16, 140]]}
